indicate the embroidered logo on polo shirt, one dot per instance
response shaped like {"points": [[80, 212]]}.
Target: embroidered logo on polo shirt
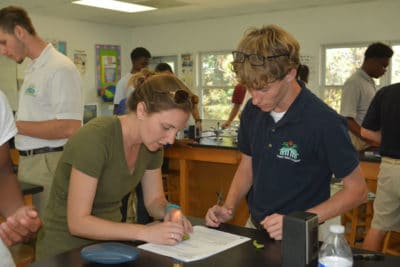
{"points": [[289, 151], [30, 90]]}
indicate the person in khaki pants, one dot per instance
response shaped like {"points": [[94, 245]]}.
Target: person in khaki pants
{"points": [[50, 100], [381, 126]]}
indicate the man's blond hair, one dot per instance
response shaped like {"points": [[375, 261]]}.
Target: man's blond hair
{"points": [[267, 41]]}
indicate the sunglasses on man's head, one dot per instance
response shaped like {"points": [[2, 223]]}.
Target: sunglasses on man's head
{"points": [[254, 59]]}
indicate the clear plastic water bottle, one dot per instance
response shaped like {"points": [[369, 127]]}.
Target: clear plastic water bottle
{"points": [[335, 251]]}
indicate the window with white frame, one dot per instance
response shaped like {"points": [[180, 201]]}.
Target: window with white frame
{"points": [[339, 62], [216, 83], [395, 66]]}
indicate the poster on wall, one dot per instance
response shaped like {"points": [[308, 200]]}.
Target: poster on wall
{"points": [[61, 46], [80, 61], [108, 70], [186, 74], [90, 111]]}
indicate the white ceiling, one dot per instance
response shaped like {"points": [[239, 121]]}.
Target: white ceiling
{"points": [[169, 10]]}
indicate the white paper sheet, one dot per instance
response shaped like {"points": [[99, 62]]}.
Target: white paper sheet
{"points": [[203, 242]]}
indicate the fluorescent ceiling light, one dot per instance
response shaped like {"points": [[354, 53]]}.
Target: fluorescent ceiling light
{"points": [[114, 5]]}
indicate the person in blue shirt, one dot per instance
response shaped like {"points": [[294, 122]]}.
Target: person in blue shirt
{"points": [[291, 142]]}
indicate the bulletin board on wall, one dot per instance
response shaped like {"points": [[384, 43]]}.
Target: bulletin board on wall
{"points": [[187, 73], [108, 70], [61, 46]]}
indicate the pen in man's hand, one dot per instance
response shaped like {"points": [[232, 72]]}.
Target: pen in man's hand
{"points": [[219, 199]]}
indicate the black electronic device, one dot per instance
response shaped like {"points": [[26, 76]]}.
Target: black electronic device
{"points": [[192, 134], [300, 240]]}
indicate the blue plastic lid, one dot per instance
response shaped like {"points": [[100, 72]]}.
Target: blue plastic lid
{"points": [[109, 253]]}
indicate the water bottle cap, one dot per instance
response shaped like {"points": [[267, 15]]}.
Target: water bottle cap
{"points": [[337, 229]]}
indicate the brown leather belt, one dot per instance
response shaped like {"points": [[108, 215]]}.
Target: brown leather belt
{"points": [[40, 150]]}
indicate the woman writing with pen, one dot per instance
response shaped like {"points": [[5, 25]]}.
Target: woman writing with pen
{"points": [[105, 160]]}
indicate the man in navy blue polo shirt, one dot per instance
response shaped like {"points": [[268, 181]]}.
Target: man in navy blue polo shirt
{"points": [[291, 142]]}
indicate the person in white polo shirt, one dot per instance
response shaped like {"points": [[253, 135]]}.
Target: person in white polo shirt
{"points": [[50, 100], [140, 58], [360, 88], [12, 230]]}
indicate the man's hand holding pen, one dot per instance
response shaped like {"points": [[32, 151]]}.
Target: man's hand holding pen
{"points": [[219, 213]]}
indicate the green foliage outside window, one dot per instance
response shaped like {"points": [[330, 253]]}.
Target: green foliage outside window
{"points": [[217, 82], [340, 64]]}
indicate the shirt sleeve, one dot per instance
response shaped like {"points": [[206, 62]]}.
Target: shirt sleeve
{"points": [[244, 145], [350, 96], [88, 150], [7, 123], [239, 94], [338, 149]]}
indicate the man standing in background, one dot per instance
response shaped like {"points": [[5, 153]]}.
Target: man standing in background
{"points": [[50, 100], [140, 58], [359, 89], [381, 126]]}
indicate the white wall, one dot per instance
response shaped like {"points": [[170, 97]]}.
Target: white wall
{"points": [[313, 27]]}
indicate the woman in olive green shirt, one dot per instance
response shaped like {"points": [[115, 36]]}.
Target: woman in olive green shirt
{"points": [[105, 160]]}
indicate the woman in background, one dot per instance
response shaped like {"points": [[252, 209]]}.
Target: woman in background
{"points": [[165, 68], [105, 160], [302, 73]]}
